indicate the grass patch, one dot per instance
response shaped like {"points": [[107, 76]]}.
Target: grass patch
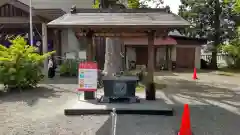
{"points": [[228, 71], [158, 86], [140, 88], [231, 70], [224, 73], [141, 85]]}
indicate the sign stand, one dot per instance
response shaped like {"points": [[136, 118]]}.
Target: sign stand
{"points": [[87, 79], [78, 94]]}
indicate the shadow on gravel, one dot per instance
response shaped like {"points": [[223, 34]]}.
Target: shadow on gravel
{"points": [[60, 80], [29, 96], [181, 91], [205, 120], [164, 73], [106, 128], [191, 70]]}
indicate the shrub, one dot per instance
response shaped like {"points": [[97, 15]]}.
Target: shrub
{"points": [[20, 65], [69, 68]]}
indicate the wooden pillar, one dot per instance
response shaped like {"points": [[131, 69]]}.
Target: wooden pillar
{"points": [[57, 44], [89, 53], [125, 58], [170, 58], [123, 55], [94, 49], [167, 56], [59, 37], [150, 87], [44, 45], [155, 58]]}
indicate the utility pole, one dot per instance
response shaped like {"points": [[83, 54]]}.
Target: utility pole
{"points": [[30, 21]]}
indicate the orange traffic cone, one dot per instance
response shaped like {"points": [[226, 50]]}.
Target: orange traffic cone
{"points": [[194, 74], [185, 128]]}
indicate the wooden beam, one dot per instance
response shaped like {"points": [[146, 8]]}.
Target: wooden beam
{"points": [[117, 32], [17, 20], [150, 88], [114, 34], [121, 33]]}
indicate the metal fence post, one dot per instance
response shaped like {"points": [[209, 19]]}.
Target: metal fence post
{"points": [[114, 121]]}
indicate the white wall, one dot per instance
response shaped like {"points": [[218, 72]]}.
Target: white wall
{"points": [[160, 54], [198, 57], [174, 53], [64, 42], [70, 43], [130, 55], [73, 43]]}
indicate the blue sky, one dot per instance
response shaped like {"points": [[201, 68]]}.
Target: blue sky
{"points": [[174, 5]]}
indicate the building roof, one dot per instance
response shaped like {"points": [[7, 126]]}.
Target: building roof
{"points": [[65, 5], [203, 40], [49, 14], [109, 18], [178, 36]]}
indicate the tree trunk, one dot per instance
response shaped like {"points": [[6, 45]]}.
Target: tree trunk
{"points": [[216, 34], [113, 57]]}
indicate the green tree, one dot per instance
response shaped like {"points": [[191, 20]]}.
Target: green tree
{"points": [[20, 65], [232, 48], [211, 19], [134, 3], [236, 5]]}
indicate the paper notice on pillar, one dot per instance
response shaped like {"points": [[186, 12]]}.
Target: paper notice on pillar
{"points": [[70, 55], [82, 55]]}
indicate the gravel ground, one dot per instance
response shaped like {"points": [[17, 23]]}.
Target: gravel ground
{"points": [[214, 110], [40, 112]]}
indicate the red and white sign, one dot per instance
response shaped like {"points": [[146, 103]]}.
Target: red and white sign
{"points": [[87, 76]]}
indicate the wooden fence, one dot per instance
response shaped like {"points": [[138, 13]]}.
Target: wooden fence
{"points": [[220, 57]]}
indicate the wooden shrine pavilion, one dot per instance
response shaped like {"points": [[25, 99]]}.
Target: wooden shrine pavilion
{"points": [[150, 23]]}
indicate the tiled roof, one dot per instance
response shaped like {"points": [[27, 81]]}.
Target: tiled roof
{"points": [[49, 9], [148, 18], [50, 14]]}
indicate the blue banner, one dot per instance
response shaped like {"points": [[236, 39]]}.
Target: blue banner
{"points": [[35, 43]]}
